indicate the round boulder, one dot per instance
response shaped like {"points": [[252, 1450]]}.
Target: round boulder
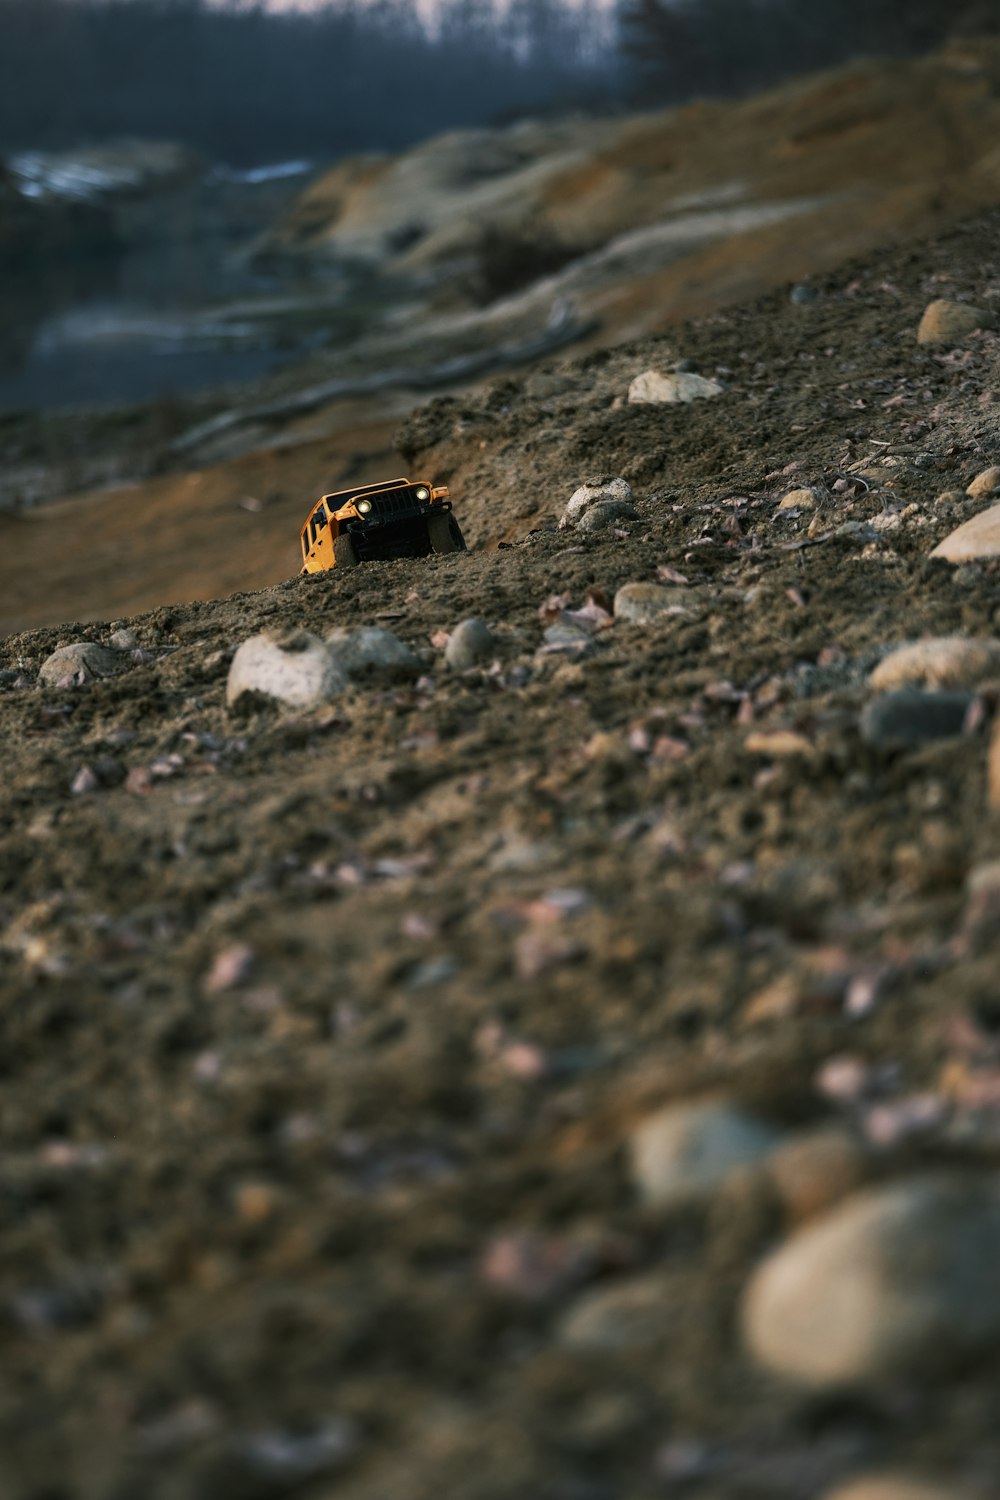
{"points": [[80, 662], [604, 492], [370, 650], [897, 1281]]}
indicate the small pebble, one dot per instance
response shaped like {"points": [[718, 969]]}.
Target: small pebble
{"points": [[470, 643], [604, 491], [652, 388], [298, 670], [368, 650], [79, 663], [642, 603], [684, 1152], [948, 322], [814, 1170], [896, 1487], [799, 500]]}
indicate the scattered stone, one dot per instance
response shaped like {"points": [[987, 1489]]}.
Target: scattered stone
{"points": [[652, 388], [909, 718], [986, 483], [949, 661], [974, 539], [231, 966], [298, 670], [368, 649], [897, 1281], [633, 1314], [813, 1171], [642, 603], [125, 640], [470, 643], [287, 1457], [76, 664], [895, 1487], [947, 322], [777, 742], [682, 1153], [803, 499], [531, 1266], [610, 492], [84, 782], [949, 497]]}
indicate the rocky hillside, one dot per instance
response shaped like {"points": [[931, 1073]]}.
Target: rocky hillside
{"points": [[556, 1055]]}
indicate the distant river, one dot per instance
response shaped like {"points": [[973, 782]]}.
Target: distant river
{"points": [[155, 318]]}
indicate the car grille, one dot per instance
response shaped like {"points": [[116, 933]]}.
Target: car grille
{"points": [[395, 503]]}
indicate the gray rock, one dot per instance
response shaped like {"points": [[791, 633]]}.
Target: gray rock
{"points": [[948, 661], [652, 388], [974, 539], [81, 662], [636, 1313], [602, 515], [947, 322], [125, 640], [897, 1281], [595, 492], [641, 603], [298, 670], [910, 717], [801, 296], [470, 643], [368, 649], [801, 499], [684, 1152]]}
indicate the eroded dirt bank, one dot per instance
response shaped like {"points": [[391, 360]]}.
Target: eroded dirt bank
{"points": [[325, 1035]]}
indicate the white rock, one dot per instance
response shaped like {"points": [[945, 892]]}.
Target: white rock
{"points": [[602, 491], [684, 1152], [298, 670], [652, 388], [948, 661], [80, 662], [470, 643], [978, 537], [897, 1281], [986, 483], [640, 603], [125, 640], [370, 649]]}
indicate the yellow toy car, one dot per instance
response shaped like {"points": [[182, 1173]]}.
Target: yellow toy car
{"points": [[397, 518]]}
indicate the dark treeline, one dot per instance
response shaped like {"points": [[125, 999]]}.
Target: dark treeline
{"points": [[679, 49], [244, 84]]}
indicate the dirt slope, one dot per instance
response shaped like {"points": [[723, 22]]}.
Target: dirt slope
{"points": [[323, 1035]]}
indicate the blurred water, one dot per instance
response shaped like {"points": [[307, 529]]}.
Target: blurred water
{"points": [[150, 320]]}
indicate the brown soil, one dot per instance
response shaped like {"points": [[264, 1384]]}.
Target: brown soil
{"points": [[240, 1211]]}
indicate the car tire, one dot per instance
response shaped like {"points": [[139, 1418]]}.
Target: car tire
{"points": [[445, 534], [344, 553]]}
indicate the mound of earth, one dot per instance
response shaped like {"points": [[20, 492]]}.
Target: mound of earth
{"points": [[575, 1075], [669, 214]]}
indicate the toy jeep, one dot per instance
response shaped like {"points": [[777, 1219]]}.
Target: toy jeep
{"points": [[396, 518]]}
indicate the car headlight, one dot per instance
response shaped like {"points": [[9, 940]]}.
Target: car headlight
{"points": [[364, 506], [423, 494]]}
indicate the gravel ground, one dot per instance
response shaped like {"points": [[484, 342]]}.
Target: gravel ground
{"points": [[336, 1042]]}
